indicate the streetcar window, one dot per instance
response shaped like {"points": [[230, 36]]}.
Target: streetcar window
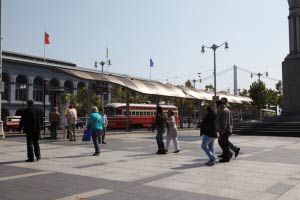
{"points": [[132, 113], [110, 111], [137, 113], [118, 112]]}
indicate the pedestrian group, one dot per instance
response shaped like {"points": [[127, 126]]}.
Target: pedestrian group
{"points": [[212, 124]]}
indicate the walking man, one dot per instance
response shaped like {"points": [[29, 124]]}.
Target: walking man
{"points": [[224, 126], [159, 125], [208, 129], [105, 123], [71, 119], [31, 123]]}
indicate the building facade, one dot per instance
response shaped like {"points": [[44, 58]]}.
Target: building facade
{"points": [[30, 77]]}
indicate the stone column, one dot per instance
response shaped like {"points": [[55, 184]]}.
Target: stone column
{"points": [[291, 65], [30, 87], [13, 89]]}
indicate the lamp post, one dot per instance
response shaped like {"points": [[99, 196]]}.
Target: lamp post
{"points": [[2, 85], [102, 63], [214, 47], [259, 75]]}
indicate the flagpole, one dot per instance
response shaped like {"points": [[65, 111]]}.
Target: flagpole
{"points": [[44, 52], [106, 52]]}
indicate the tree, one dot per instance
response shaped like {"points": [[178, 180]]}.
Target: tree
{"points": [[188, 84], [209, 88], [81, 101], [272, 97], [118, 94], [244, 92], [258, 93]]}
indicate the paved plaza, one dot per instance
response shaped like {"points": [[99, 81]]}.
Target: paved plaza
{"points": [[128, 169]]}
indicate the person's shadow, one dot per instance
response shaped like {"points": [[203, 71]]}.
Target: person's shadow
{"points": [[197, 163], [12, 162]]}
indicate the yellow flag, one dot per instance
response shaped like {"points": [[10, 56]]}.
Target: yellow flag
{"points": [[106, 52]]}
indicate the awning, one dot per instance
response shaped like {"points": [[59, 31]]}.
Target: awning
{"points": [[150, 87]]}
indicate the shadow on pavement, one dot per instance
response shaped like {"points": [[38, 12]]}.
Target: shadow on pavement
{"points": [[75, 156], [192, 165], [142, 154], [12, 162]]}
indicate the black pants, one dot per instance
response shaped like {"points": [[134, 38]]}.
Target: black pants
{"points": [[224, 144], [33, 145], [54, 126]]}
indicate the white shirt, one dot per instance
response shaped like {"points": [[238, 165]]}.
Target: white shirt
{"points": [[105, 121]]}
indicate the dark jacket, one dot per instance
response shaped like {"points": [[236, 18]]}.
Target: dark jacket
{"points": [[160, 122], [209, 125], [31, 120]]}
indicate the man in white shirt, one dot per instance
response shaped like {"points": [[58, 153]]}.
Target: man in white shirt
{"points": [[105, 123], [71, 119]]}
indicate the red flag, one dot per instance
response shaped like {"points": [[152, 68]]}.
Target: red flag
{"points": [[46, 39]]}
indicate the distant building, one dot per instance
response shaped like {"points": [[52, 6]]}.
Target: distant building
{"points": [[24, 77]]}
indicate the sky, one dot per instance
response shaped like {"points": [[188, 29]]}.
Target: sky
{"points": [[171, 32]]}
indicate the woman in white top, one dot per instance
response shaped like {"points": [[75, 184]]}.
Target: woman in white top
{"points": [[172, 132]]}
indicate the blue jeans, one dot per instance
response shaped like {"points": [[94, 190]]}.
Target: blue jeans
{"points": [[95, 136], [208, 147], [232, 146], [159, 135]]}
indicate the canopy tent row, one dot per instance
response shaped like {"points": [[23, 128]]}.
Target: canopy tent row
{"points": [[151, 87]]}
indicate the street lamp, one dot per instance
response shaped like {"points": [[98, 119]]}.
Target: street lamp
{"points": [[214, 47], [102, 63], [259, 75], [195, 80]]}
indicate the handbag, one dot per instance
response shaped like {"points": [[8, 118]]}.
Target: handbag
{"points": [[87, 134]]}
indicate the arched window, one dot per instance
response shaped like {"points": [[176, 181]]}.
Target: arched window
{"points": [[54, 84], [68, 87], [21, 88], [80, 85], [38, 89], [6, 80]]}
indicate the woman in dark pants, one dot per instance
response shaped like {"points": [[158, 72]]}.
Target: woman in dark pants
{"points": [[95, 123]]}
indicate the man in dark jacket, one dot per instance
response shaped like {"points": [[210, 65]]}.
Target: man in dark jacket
{"points": [[208, 129], [31, 123], [159, 125]]}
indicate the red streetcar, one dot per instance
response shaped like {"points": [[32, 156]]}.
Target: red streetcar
{"points": [[140, 115]]}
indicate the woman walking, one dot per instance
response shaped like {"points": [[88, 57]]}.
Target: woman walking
{"points": [[172, 132], [95, 123], [209, 131]]}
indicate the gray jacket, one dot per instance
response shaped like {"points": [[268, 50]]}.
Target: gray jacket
{"points": [[225, 120]]}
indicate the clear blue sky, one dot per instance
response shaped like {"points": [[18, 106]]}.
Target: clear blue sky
{"points": [[171, 32]]}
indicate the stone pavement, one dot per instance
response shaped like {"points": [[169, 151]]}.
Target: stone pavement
{"points": [[128, 169]]}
